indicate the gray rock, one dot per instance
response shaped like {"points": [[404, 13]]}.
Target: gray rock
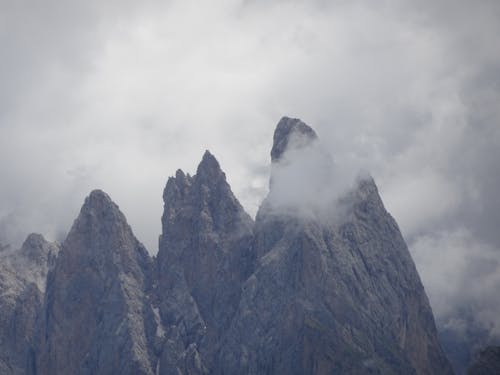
{"points": [[98, 318], [204, 256], [487, 362], [22, 282], [35, 259], [329, 288], [331, 296], [20, 304], [290, 130]]}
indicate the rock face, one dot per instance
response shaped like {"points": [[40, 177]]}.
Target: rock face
{"points": [[290, 133], [35, 259], [204, 257], [19, 305], [22, 283], [321, 283], [98, 319], [487, 362], [331, 296]]}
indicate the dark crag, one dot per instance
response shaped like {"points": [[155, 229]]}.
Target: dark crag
{"points": [[321, 283]]}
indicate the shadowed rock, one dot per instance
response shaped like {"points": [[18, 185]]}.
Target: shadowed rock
{"points": [[97, 316], [203, 259], [20, 304], [23, 275], [35, 259], [487, 362], [322, 283], [290, 130], [331, 297]]}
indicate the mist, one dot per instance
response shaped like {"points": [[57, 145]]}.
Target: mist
{"points": [[304, 181]]}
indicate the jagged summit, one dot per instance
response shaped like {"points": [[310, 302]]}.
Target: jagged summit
{"points": [[341, 297], [96, 305], [100, 226], [208, 173], [98, 199], [304, 176], [292, 293], [181, 176], [99, 211], [35, 247], [208, 160], [286, 129], [34, 259], [33, 239], [207, 191], [209, 168], [204, 256]]}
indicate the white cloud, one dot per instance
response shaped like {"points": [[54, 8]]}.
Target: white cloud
{"points": [[459, 272]]}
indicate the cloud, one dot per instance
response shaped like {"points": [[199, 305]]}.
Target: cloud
{"points": [[303, 179], [466, 277]]}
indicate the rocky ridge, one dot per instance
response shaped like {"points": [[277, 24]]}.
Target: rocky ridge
{"points": [[98, 318], [23, 275], [288, 294], [204, 256], [331, 296]]}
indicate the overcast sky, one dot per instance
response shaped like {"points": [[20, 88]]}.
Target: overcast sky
{"points": [[119, 94]]}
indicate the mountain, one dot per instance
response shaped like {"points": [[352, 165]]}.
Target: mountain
{"points": [[22, 283], [97, 316], [35, 259], [330, 296], [204, 257], [321, 283]]}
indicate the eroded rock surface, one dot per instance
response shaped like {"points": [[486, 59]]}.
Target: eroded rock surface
{"points": [[204, 257], [98, 318], [23, 274], [331, 296], [321, 283]]}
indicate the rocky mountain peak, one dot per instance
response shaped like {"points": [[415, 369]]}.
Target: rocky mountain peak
{"points": [[35, 259], [290, 130], [181, 178], [23, 276], [98, 202], [203, 258], [206, 192], [101, 233], [177, 186], [209, 168], [299, 291], [34, 240], [37, 249], [98, 318], [328, 296], [99, 223]]}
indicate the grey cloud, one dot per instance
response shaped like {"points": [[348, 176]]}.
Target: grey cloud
{"points": [[466, 278], [306, 181]]}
